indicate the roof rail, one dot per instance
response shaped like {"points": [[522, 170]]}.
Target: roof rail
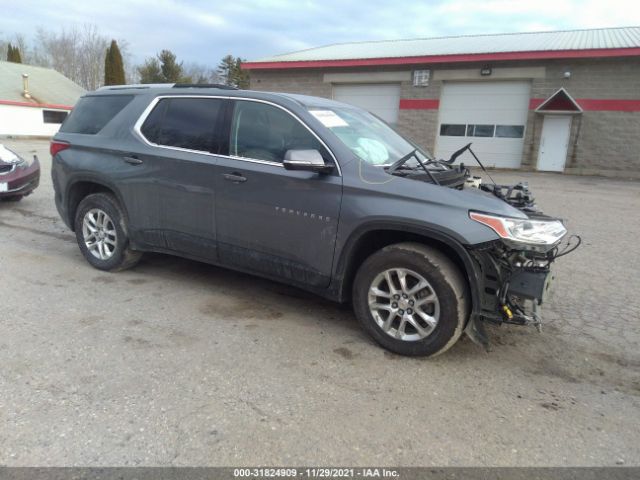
{"points": [[221, 86], [137, 85]]}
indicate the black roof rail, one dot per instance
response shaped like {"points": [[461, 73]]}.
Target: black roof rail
{"points": [[221, 86]]}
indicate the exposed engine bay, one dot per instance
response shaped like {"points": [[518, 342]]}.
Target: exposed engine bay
{"points": [[516, 270]]}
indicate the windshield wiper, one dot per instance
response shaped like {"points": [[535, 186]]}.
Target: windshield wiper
{"points": [[401, 161]]}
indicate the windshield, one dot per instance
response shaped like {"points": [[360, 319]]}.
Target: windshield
{"points": [[366, 135]]}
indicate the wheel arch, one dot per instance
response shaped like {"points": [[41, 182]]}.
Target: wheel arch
{"points": [[370, 238], [80, 187]]}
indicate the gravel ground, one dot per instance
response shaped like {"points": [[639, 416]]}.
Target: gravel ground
{"points": [[181, 363]]}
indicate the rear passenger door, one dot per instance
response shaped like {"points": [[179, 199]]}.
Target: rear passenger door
{"points": [[175, 198], [270, 220]]}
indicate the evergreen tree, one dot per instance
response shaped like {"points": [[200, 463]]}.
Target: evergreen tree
{"points": [[113, 66], [13, 54], [150, 72], [226, 69], [240, 76], [231, 73], [162, 69], [171, 69]]}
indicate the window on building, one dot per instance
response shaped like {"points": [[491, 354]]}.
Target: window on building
{"points": [[54, 116], [510, 131], [452, 129], [265, 132], [189, 123], [421, 78], [480, 130]]}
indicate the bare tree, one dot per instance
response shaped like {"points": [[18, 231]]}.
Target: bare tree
{"points": [[199, 73]]}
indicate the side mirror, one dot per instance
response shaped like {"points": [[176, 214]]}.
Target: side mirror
{"points": [[307, 160]]}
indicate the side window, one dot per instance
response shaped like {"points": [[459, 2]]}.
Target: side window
{"points": [[264, 132], [92, 113], [185, 123]]}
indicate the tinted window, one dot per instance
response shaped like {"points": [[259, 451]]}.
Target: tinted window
{"points": [[510, 131], [265, 132], [452, 130], [91, 114], [53, 116], [185, 123], [480, 130]]}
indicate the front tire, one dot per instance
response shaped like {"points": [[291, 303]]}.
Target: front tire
{"points": [[102, 233], [412, 299]]}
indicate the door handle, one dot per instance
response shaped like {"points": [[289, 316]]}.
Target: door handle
{"points": [[235, 177], [132, 160]]}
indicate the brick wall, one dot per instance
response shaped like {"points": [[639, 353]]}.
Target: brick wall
{"points": [[602, 142]]}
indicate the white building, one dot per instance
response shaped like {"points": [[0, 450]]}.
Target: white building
{"points": [[34, 100]]}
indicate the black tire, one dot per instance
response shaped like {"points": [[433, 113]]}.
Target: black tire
{"points": [[123, 256], [13, 198], [446, 281]]}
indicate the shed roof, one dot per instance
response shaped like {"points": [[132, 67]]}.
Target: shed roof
{"points": [[46, 86], [599, 42]]}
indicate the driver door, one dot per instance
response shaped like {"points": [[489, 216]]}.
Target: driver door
{"points": [[270, 220]]}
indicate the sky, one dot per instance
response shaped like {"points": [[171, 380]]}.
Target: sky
{"points": [[204, 31]]}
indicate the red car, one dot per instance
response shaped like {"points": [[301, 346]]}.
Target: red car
{"points": [[18, 176]]}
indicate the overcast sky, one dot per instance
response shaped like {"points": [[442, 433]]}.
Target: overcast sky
{"points": [[204, 31]]}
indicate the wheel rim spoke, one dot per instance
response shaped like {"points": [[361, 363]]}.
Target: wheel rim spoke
{"points": [[396, 307], [99, 234]]}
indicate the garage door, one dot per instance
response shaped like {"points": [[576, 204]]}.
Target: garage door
{"points": [[380, 99], [491, 115]]}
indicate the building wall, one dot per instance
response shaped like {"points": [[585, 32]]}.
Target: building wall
{"points": [[602, 142], [18, 120]]}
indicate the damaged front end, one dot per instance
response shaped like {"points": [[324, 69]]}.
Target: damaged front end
{"points": [[514, 273]]}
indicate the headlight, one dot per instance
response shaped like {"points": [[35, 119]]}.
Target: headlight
{"points": [[541, 235], [9, 156]]}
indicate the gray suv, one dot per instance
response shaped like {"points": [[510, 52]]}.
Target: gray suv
{"points": [[306, 191]]}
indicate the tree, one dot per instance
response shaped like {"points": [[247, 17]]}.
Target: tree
{"points": [[150, 71], [240, 76], [13, 54], [77, 53], [231, 73], [113, 66], [162, 69], [225, 69]]}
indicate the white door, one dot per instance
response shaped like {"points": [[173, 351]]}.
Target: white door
{"points": [[381, 99], [491, 115], [554, 142]]}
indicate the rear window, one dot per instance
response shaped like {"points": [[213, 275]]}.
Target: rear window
{"points": [[185, 123], [92, 114]]}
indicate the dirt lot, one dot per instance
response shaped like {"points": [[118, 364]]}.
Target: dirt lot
{"points": [[180, 363]]}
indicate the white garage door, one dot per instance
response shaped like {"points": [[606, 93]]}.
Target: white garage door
{"points": [[491, 115], [380, 99]]}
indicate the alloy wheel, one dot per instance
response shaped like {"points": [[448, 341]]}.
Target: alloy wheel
{"points": [[99, 234], [404, 304]]}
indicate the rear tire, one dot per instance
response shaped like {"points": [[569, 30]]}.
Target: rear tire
{"points": [[102, 233], [14, 198], [412, 299]]}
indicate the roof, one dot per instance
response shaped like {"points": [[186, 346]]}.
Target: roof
{"points": [[46, 87], [624, 41], [171, 89]]}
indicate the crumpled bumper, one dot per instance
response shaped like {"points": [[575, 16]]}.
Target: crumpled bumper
{"points": [[21, 180]]}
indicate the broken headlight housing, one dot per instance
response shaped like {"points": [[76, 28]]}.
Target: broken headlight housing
{"points": [[539, 235]]}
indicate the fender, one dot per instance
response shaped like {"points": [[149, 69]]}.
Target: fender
{"points": [[471, 269], [89, 178]]}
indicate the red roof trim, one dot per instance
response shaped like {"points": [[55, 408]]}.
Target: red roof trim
{"points": [[465, 57], [36, 105]]}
